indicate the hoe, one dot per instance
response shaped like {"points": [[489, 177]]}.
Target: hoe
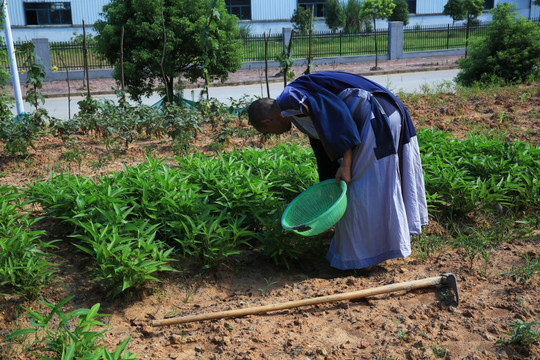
{"points": [[447, 279]]}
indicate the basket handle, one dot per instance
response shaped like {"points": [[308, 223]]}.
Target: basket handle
{"points": [[302, 228]]}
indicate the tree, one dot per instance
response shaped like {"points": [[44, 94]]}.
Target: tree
{"points": [[467, 10], [301, 20], [165, 39], [355, 21], [400, 12], [509, 53], [454, 9], [377, 9], [335, 15]]}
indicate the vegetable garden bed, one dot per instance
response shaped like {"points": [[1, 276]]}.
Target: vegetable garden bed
{"points": [[148, 228]]}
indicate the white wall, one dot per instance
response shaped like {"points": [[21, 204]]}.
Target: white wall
{"points": [[275, 9], [86, 10], [430, 7], [56, 34]]}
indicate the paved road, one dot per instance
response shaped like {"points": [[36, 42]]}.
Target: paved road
{"points": [[406, 82]]}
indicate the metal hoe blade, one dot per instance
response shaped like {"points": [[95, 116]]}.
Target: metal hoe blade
{"points": [[450, 280]]}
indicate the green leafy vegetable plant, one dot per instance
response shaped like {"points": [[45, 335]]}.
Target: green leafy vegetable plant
{"points": [[58, 335], [24, 264], [125, 258]]}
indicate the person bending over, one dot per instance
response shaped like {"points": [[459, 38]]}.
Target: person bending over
{"points": [[360, 133]]}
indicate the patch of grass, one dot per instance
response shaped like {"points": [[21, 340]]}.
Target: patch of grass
{"points": [[527, 271], [266, 288], [191, 289], [427, 245], [402, 335], [440, 351]]}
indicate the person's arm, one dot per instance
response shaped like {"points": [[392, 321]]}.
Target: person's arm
{"points": [[344, 171]]}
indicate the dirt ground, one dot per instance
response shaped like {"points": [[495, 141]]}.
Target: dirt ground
{"points": [[417, 324]]}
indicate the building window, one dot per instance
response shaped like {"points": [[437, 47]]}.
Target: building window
{"points": [[412, 6], [47, 13], [240, 8], [488, 4], [318, 5]]}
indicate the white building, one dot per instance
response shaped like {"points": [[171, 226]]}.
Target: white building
{"points": [[273, 15], [60, 20], [54, 20]]}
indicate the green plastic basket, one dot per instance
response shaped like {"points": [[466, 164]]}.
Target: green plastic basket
{"points": [[316, 209]]}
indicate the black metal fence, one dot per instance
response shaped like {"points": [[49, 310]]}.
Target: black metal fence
{"points": [[423, 38], [22, 59], [323, 44], [64, 55], [254, 48], [328, 44], [70, 56]]}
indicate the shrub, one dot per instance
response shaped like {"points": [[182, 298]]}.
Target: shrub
{"points": [[400, 12], [19, 133], [510, 51], [335, 15], [301, 20]]}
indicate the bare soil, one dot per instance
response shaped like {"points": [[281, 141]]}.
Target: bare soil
{"points": [[418, 324]]}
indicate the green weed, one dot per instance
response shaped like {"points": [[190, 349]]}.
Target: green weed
{"points": [[427, 245], [402, 335], [527, 271], [190, 290], [266, 288], [523, 333], [439, 351], [74, 153]]}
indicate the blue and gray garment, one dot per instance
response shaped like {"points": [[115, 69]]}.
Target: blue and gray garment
{"points": [[386, 197]]}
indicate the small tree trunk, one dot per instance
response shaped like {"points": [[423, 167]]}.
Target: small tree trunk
{"points": [[376, 49], [286, 70], [310, 35], [467, 37], [169, 85], [266, 65], [122, 59], [85, 55], [168, 92], [68, 84]]}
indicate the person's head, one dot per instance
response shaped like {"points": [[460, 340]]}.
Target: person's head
{"points": [[265, 116]]}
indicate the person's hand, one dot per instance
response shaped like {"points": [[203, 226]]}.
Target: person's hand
{"points": [[344, 171]]}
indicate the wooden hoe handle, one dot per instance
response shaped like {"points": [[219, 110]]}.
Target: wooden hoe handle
{"points": [[409, 285]]}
